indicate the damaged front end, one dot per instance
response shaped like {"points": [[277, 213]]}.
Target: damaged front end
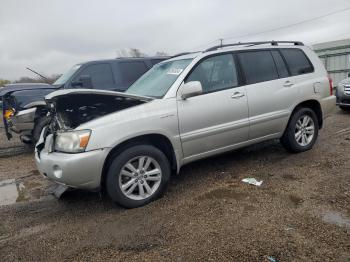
{"points": [[69, 109]]}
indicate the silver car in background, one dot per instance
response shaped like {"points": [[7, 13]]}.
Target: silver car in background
{"points": [[187, 108], [343, 94]]}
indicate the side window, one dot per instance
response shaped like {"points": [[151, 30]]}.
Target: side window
{"points": [[215, 73], [297, 61], [258, 66], [131, 71], [280, 64], [100, 74]]}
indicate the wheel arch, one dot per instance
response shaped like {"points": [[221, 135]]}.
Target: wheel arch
{"points": [[159, 141], [312, 104]]}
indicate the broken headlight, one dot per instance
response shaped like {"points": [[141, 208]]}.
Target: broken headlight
{"points": [[72, 141]]}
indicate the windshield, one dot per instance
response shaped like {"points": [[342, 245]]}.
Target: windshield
{"points": [[157, 81], [63, 78]]}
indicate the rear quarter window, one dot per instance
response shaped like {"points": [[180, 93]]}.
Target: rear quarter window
{"points": [[297, 61]]}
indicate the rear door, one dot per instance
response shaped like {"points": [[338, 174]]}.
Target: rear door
{"points": [[217, 119], [270, 92]]}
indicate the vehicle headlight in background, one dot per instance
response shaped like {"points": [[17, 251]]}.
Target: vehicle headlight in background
{"points": [[72, 141]]}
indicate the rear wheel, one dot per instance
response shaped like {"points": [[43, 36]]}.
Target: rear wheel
{"points": [[301, 132], [137, 176]]}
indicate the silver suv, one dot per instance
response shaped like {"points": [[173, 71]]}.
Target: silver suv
{"points": [[187, 108]]}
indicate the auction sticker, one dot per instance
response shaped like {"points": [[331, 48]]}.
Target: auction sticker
{"points": [[174, 71]]}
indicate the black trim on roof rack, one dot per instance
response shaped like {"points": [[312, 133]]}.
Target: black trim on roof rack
{"points": [[180, 54], [274, 43]]}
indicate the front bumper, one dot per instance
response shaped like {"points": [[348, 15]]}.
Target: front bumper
{"points": [[81, 170], [343, 95]]}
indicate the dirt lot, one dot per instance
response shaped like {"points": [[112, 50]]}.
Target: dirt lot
{"points": [[300, 213]]}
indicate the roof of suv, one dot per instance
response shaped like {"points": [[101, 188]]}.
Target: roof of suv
{"points": [[241, 46], [127, 59]]}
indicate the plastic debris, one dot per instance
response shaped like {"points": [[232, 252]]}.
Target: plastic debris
{"points": [[252, 181], [272, 259]]}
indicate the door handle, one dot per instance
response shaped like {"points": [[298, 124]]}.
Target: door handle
{"points": [[288, 84], [237, 95]]}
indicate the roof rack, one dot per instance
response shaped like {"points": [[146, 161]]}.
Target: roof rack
{"points": [[274, 43], [183, 53]]}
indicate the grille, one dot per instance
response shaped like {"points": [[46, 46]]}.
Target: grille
{"points": [[347, 89]]}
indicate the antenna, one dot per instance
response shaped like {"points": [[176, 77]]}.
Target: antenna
{"points": [[43, 77]]}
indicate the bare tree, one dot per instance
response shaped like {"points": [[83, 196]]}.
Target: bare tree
{"points": [[130, 52], [4, 82], [162, 53]]}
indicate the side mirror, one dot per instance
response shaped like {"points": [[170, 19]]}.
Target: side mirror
{"points": [[84, 81], [190, 89]]}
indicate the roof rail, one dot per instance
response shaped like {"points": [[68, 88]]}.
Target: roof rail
{"points": [[254, 43], [183, 53]]}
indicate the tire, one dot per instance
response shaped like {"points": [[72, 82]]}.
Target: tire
{"points": [[40, 123], [345, 108], [291, 139], [138, 178]]}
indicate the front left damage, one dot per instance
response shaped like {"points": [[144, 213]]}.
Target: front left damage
{"points": [[68, 109]]}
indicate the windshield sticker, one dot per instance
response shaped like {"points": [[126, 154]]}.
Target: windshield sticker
{"points": [[174, 71]]}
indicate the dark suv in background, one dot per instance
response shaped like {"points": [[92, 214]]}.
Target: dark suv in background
{"points": [[24, 108]]}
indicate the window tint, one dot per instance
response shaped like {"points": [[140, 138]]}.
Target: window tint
{"points": [[215, 73], [280, 64], [131, 71], [258, 66], [297, 61], [101, 76]]}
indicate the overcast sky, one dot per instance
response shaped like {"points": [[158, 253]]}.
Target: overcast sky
{"points": [[50, 36]]}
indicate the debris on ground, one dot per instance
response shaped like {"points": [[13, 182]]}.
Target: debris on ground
{"points": [[252, 181], [272, 259]]}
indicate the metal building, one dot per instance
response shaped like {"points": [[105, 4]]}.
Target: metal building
{"points": [[336, 57]]}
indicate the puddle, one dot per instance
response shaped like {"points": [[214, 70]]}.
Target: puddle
{"points": [[20, 190], [10, 192], [336, 218]]}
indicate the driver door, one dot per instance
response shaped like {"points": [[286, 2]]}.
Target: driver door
{"points": [[216, 120]]}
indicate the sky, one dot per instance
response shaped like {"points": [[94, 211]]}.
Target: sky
{"points": [[51, 36]]}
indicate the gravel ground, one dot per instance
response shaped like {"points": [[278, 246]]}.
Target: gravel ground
{"points": [[300, 213]]}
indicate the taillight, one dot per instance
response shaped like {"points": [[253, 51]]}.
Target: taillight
{"points": [[330, 85]]}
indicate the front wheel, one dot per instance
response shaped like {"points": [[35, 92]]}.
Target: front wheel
{"points": [[137, 176], [301, 132]]}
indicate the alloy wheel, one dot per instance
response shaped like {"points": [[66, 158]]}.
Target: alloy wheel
{"points": [[140, 177]]}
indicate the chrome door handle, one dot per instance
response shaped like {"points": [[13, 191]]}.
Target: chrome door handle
{"points": [[237, 95], [288, 84]]}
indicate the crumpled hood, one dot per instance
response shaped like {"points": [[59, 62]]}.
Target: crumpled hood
{"points": [[23, 86], [65, 92], [72, 107]]}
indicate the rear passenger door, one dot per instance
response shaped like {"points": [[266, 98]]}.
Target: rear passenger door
{"points": [[269, 90]]}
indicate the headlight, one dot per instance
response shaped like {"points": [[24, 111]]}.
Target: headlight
{"points": [[72, 141]]}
